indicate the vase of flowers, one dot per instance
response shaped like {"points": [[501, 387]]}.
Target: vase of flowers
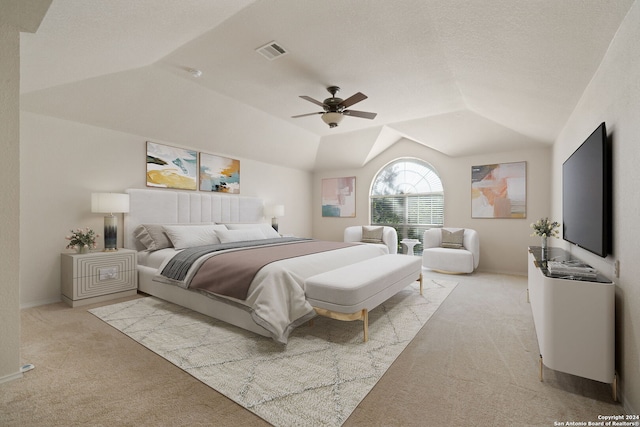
{"points": [[545, 228], [82, 240]]}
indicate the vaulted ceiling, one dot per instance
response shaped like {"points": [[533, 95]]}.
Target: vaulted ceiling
{"points": [[460, 76]]}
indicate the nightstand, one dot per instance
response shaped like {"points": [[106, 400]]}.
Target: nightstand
{"points": [[98, 276]]}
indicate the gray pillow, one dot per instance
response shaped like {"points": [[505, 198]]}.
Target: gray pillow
{"points": [[452, 239], [372, 234], [153, 237]]}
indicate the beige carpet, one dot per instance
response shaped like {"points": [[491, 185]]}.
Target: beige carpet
{"points": [[474, 363], [317, 379]]}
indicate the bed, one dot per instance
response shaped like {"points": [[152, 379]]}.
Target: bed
{"points": [[275, 302]]}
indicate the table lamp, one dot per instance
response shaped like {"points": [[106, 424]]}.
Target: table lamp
{"points": [[110, 203], [275, 211]]}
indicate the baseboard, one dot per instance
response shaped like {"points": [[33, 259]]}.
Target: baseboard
{"points": [[11, 377], [40, 302], [505, 272], [626, 405]]}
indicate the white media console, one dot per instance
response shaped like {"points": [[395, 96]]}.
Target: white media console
{"points": [[574, 319]]}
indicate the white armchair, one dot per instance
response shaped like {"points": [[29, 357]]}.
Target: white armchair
{"points": [[447, 259], [389, 237]]}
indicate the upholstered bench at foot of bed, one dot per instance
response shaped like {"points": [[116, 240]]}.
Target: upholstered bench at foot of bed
{"points": [[350, 292]]}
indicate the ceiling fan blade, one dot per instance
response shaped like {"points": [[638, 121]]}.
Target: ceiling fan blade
{"points": [[308, 98], [353, 99], [308, 114], [361, 114]]}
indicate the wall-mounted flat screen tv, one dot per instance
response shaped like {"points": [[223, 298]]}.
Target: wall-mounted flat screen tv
{"points": [[586, 195]]}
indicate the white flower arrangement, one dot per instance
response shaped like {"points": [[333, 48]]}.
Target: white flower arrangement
{"points": [[82, 237], [545, 228]]}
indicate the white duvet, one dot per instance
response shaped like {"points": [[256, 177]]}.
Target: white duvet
{"points": [[276, 297]]}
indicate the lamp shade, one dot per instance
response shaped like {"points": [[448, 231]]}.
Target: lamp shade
{"points": [[109, 202], [275, 211]]}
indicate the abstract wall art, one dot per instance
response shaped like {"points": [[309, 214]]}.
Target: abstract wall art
{"points": [[171, 167], [499, 190], [219, 174], [339, 197]]}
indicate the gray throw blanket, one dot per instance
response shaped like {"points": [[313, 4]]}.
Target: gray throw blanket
{"points": [[178, 266]]}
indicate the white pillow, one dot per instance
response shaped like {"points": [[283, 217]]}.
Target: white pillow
{"points": [[242, 235], [188, 236], [267, 230]]}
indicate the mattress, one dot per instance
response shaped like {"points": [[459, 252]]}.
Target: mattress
{"points": [[155, 259]]}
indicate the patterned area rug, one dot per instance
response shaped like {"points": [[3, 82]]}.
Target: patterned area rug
{"points": [[318, 378]]}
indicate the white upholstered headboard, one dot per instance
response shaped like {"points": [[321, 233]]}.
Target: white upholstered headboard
{"points": [[173, 207]]}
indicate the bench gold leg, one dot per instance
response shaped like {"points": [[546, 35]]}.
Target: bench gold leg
{"points": [[540, 367], [358, 315], [365, 321], [420, 283]]}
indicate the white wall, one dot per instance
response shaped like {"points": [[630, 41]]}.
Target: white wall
{"points": [[9, 201], [503, 242], [613, 96], [63, 162], [16, 16]]}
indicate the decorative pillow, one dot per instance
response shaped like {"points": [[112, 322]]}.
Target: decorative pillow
{"points": [[452, 239], [152, 236], [241, 235], [188, 236], [372, 234], [267, 230]]}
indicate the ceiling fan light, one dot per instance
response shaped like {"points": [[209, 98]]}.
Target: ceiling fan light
{"points": [[332, 119]]}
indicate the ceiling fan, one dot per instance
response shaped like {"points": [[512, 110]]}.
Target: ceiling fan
{"points": [[336, 108]]}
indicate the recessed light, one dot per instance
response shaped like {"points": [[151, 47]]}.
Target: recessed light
{"points": [[195, 72]]}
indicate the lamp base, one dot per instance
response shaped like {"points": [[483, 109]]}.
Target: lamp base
{"points": [[110, 233]]}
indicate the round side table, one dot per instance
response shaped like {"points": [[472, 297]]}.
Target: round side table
{"points": [[410, 243]]}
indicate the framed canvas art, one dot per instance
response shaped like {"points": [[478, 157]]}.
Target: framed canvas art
{"points": [[339, 197], [219, 174], [499, 190], [171, 167]]}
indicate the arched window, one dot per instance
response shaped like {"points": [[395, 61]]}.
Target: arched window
{"points": [[407, 194]]}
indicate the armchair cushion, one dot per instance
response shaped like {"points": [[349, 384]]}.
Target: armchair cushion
{"points": [[371, 234], [452, 239], [389, 236]]}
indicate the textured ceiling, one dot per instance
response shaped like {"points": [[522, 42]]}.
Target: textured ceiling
{"points": [[463, 77]]}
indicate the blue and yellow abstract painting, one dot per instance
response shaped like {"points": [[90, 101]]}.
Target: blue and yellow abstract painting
{"points": [[171, 167], [219, 174]]}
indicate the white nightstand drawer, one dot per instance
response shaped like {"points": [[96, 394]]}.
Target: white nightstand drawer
{"points": [[91, 286]]}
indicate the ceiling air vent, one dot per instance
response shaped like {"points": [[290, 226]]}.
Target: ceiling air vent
{"points": [[272, 51]]}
